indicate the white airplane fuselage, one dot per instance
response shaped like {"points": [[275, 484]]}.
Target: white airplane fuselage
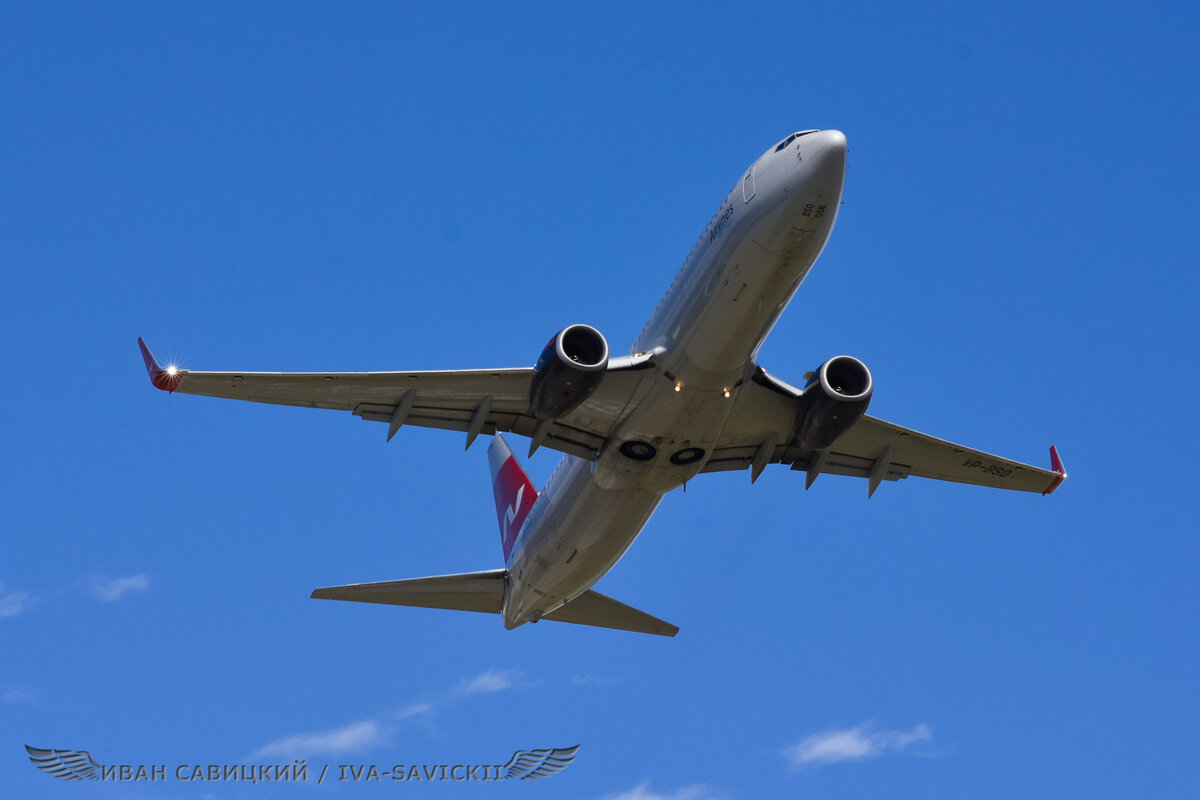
{"points": [[705, 334]]}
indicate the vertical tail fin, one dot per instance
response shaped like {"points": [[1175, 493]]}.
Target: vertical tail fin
{"points": [[513, 490]]}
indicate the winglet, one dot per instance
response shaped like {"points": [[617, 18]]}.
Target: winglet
{"points": [[166, 379], [1056, 465]]}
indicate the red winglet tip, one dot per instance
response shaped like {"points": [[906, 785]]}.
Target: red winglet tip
{"points": [[1056, 465], [165, 379]]}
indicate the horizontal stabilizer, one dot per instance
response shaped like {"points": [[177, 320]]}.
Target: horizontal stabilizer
{"points": [[484, 592], [467, 591], [593, 608]]}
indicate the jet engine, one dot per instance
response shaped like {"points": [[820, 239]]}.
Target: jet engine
{"points": [[568, 371], [837, 394]]}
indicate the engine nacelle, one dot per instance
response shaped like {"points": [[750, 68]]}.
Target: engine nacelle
{"points": [[834, 399], [568, 371]]}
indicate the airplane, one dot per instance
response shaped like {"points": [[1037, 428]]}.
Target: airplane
{"points": [[688, 398]]}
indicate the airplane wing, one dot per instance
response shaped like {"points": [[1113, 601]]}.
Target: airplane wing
{"points": [[762, 423], [474, 401]]}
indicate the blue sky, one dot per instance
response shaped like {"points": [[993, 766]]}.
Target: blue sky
{"points": [[307, 186]]}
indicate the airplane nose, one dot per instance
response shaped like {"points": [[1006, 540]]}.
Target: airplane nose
{"points": [[822, 158], [833, 139], [828, 145]]}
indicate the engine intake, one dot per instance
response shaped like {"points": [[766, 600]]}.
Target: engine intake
{"points": [[834, 399], [568, 371]]}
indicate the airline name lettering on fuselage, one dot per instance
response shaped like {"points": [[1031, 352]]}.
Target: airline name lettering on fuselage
{"points": [[720, 222]]}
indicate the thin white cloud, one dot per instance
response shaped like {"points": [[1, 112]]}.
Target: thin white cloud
{"points": [[348, 739], [14, 603], [854, 744], [29, 697], [414, 710], [490, 681], [110, 591], [374, 732], [696, 791]]}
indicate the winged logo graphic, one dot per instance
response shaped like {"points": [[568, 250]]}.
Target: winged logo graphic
{"points": [[70, 765], [536, 764]]}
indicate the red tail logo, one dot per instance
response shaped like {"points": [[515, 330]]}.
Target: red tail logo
{"points": [[514, 493]]}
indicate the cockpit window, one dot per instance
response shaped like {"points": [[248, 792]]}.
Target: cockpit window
{"points": [[791, 139]]}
